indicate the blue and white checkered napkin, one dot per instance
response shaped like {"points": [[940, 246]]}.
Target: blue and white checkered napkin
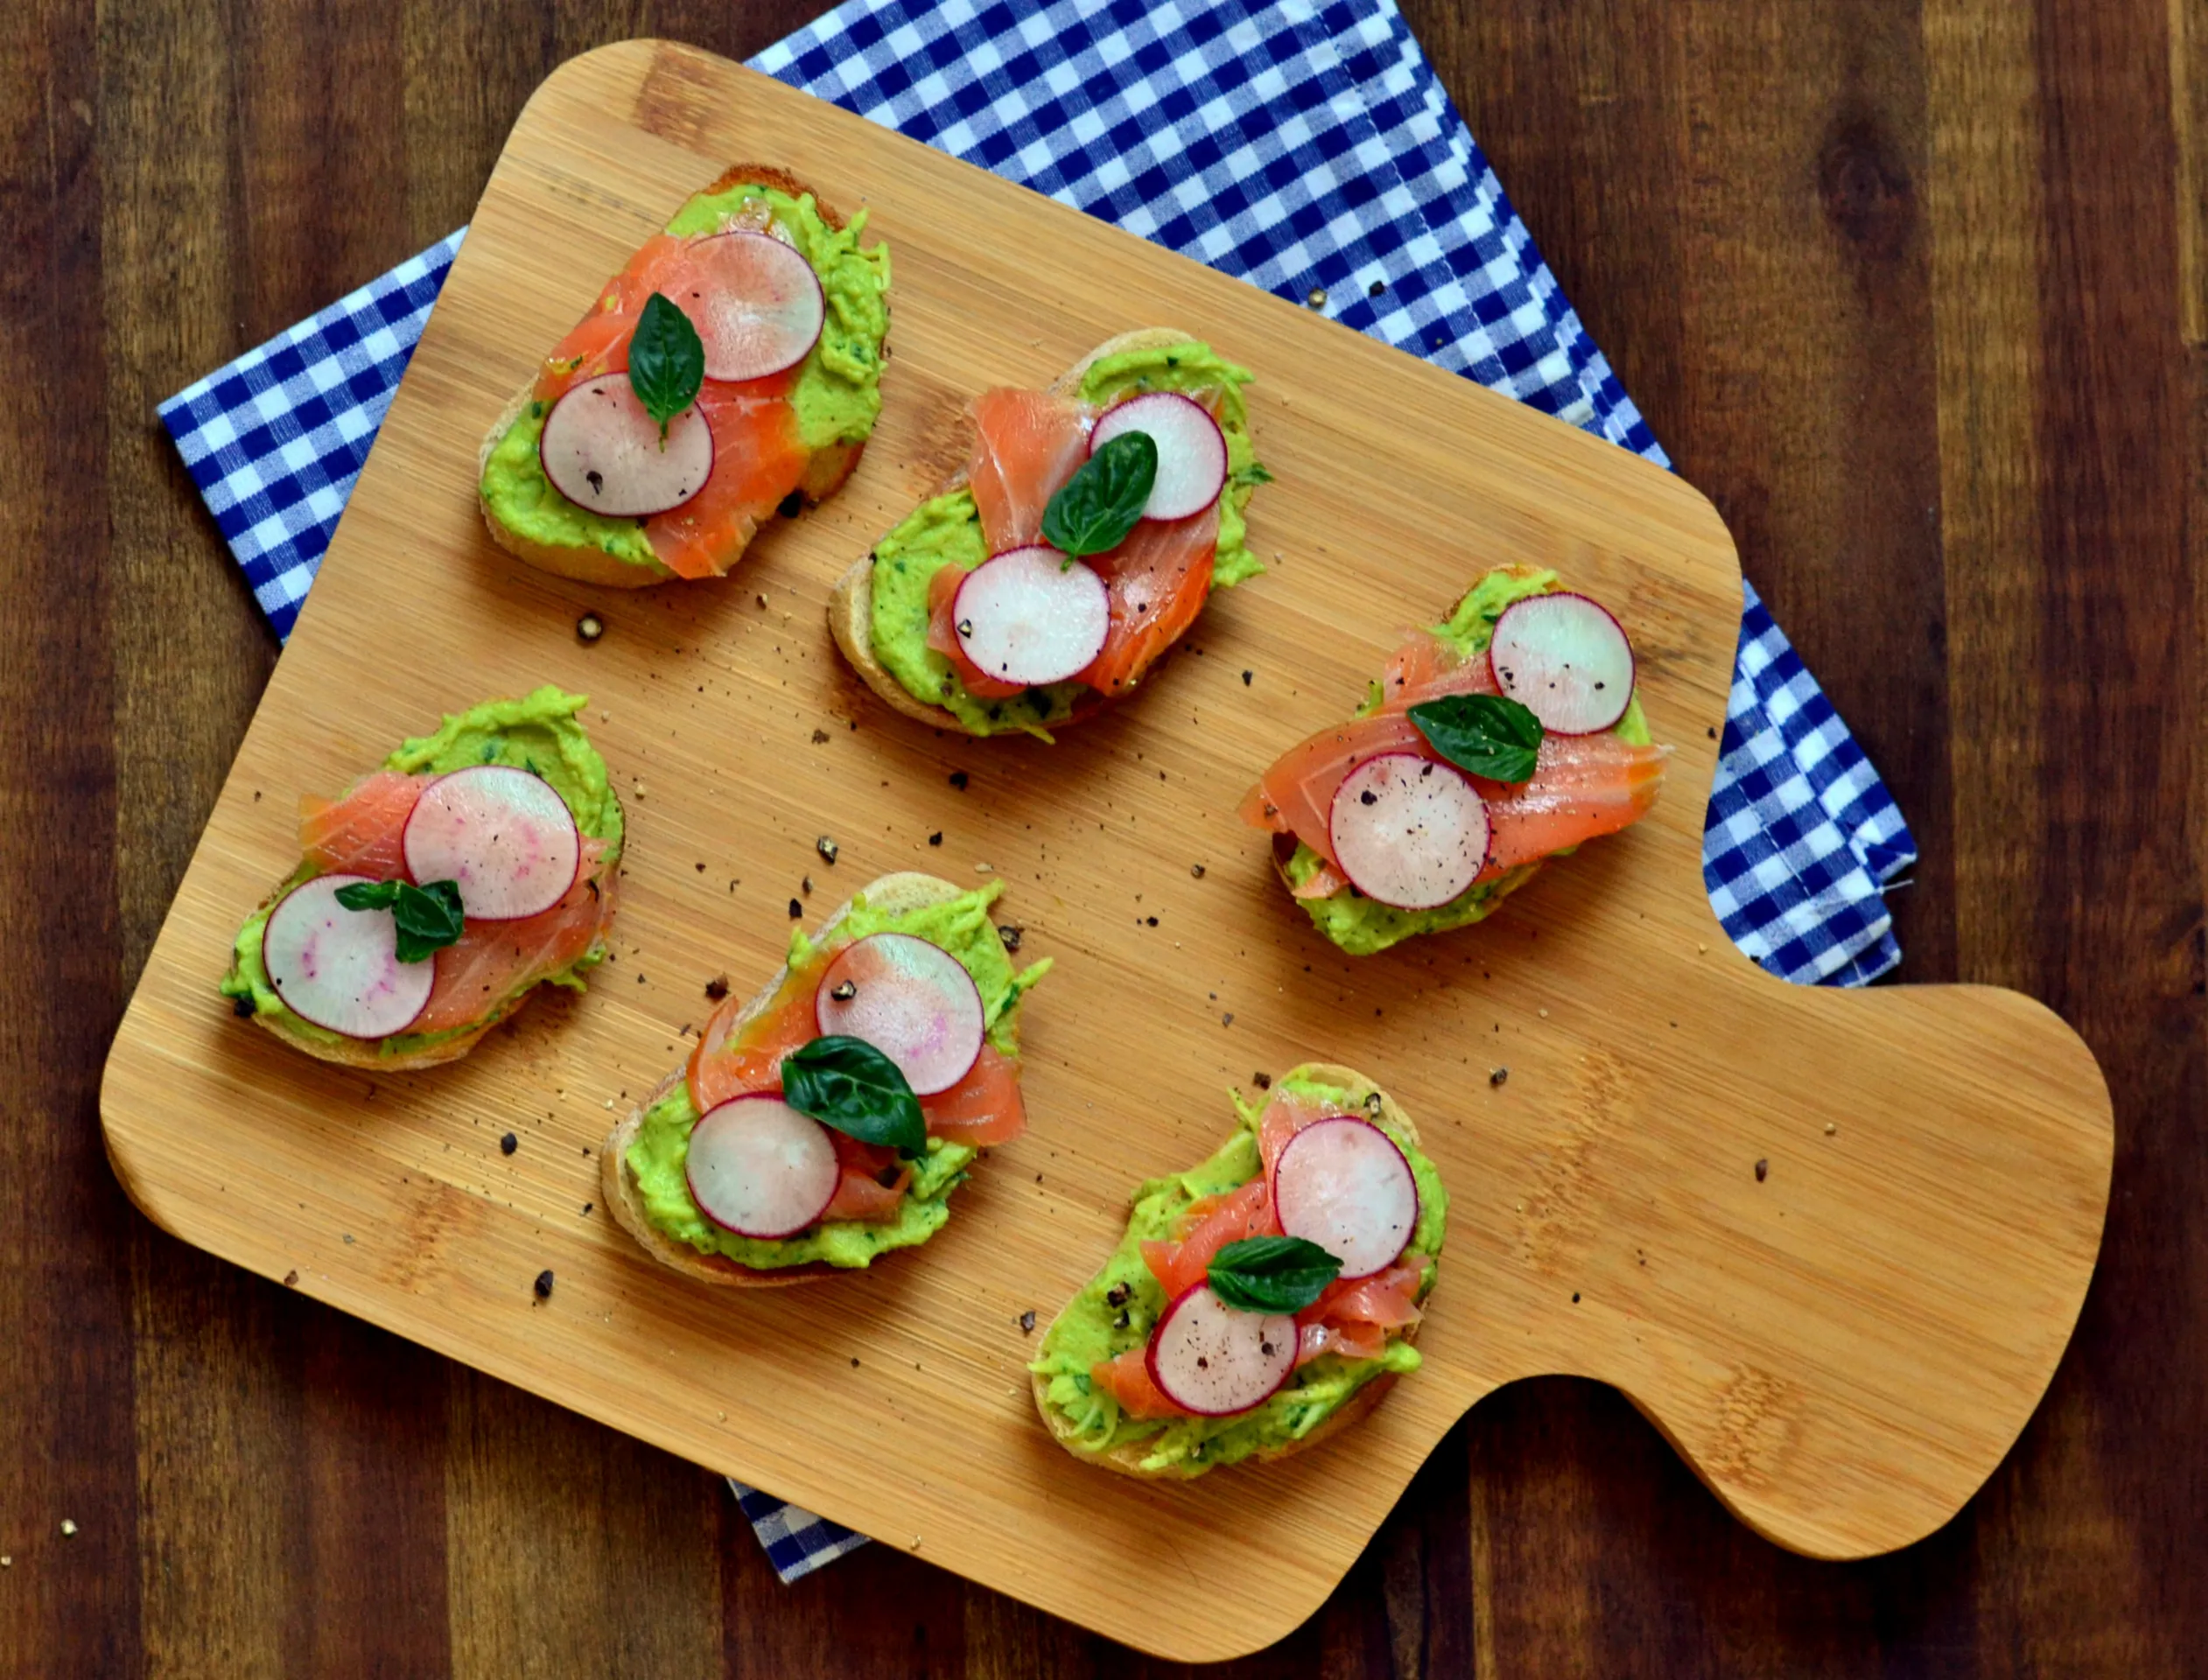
{"points": [[1305, 147]]}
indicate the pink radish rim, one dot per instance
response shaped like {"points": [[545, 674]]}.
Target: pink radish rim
{"points": [[691, 417], [1632, 659], [1334, 851], [1418, 1205], [1098, 435], [824, 1000], [1150, 1353], [1066, 565], [331, 882], [820, 295], [574, 874], [689, 1185]]}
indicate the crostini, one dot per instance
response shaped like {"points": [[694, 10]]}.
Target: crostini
{"points": [[826, 1122], [480, 863], [1090, 524], [731, 370], [1259, 1302], [1509, 734]]}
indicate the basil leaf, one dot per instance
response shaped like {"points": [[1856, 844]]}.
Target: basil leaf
{"points": [[666, 361], [846, 1083], [1095, 509], [1271, 1274], [1253, 475], [1482, 734], [427, 918]]}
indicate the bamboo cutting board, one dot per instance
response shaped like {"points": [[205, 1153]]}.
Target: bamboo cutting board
{"points": [[1832, 1243]]}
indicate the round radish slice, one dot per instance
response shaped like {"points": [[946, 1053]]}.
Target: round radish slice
{"points": [[1566, 660], [1192, 451], [1031, 615], [758, 1168], [339, 968], [504, 835], [603, 451], [913, 1001], [755, 301], [1342, 1184], [1408, 832], [1215, 1358]]}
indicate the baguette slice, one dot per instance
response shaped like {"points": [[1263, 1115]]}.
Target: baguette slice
{"points": [[907, 890], [1127, 1459], [851, 607], [825, 471]]}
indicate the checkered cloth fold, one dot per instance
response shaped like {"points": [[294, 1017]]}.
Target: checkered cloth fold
{"points": [[1307, 148]]}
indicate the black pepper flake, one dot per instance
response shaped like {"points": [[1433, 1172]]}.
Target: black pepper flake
{"points": [[806, 885], [1264, 1083], [242, 1008], [820, 738], [827, 849], [1763, 1170], [1227, 1019], [291, 1279], [1247, 677], [543, 1285], [1498, 1075], [1713, 734], [717, 988], [959, 779], [1010, 933], [1196, 870], [844, 990], [1576, 1297], [1117, 1295], [508, 1143], [791, 505], [589, 627], [1124, 1322], [1152, 920], [1027, 1322], [1375, 288], [936, 838], [795, 909]]}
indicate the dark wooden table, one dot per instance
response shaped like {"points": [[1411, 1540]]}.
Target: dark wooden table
{"points": [[1917, 293]]}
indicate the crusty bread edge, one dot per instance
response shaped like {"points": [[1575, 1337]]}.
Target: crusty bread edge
{"points": [[1127, 1460], [850, 607], [907, 890], [825, 471]]}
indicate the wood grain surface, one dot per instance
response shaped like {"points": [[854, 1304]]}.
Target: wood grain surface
{"points": [[1956, 228]]}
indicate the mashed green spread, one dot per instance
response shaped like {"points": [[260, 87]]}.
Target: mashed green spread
{"points": [[946, 531], [836, 395], [658, 1156], [1087, 1331], [1362, 925], [537, 733]]}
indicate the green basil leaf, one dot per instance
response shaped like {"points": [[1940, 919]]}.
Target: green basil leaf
{"points": [[846, 1083], [1271, 1274], [666, 360], [427, 918], [1484, 734], [1253, 475], [1095, 509]]}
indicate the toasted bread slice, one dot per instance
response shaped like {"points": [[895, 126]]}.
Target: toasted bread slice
{"points": [[851, 607], [907, 890], [825, 471], [1127, 1459]]}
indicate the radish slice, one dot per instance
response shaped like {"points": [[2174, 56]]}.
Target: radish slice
{"points": [[913, 1001], [1408, 832], [1192, 451], [504, 835], [339, 968], [758, 1168], [755, 301], [1342, 1184], [1566, 660], [1030, 615], [603, 451], [1214, 1359]]}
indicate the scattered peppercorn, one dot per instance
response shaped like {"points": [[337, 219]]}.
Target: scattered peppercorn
{"points": [[1498, 1075], [1010, 933], [1763, 1170], [1264, 1081], [717, 988], [1196, 870], [1375, 288], [826, 847], [1247, 677], [807, 885], [791, 505], [1027, 1322], [589, 627], [844, 990], [543, 1285], [508, 1143], [1152, 920], [936, 838], [795, 909], [1117, 1295], [959, 779], [1123, 1321], [242, 1008], [292, 1278]]}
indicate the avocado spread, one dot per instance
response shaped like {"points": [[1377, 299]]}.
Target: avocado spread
{"points": [[836, 394], [1116, 1309], [538, 733], [946, 531], [960, 925], [1362, 925]]}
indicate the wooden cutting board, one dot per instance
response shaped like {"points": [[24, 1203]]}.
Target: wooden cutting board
{"points": [[1832, 1243]]}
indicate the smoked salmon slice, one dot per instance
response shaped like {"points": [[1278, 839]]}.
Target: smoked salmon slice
{"points": [[758, 457], [360, 833], [493, 960], [984, 1108], [1026, 445]]}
